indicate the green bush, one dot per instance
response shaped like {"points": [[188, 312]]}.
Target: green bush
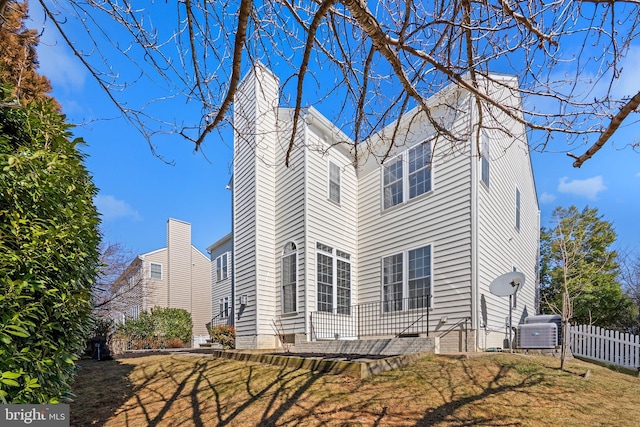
{"points": [[173, 323], [224, 335], [48, 254], [159, 328]]}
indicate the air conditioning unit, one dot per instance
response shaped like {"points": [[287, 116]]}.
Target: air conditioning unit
{"points": [[548, 318], [537, 335]]}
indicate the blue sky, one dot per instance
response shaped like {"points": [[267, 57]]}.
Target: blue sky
{"points": [[139, 191]]}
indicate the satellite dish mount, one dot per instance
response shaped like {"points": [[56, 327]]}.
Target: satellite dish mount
{"points": [[507, 285]]}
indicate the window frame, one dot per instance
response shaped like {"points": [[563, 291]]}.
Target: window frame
{"points": [[405, 280], [224, 307], [134, 312], [393, 194], [151, 272], [518, 209], [290, 250], [222, 266], [332, 195], [485, 158], [340, 297], [392, 184]]}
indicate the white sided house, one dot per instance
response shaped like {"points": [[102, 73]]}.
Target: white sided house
{"points": [[325, 249], [176, 276]]}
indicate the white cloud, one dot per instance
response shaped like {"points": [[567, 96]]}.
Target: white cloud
{"points": [[547, 198], [61, 67], [111, 208], [588, 188], [628, 83], [55, 58]]}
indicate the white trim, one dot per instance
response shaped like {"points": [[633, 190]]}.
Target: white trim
{"points": [[151, 253], [518, 207], [475, 226], [224, 266], [485, 157], [334, 266], [283, 255], [224, 301], [151, 273], [331, 163], [405, 273], [307, 294], [405, 154]]}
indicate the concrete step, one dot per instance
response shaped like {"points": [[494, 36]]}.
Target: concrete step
{"points": [[211, 345]]}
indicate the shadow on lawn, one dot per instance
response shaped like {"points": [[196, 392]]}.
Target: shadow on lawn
{"points": [[211, 393], [203, 379], [494, 385], [216, 392], [100, 388]]}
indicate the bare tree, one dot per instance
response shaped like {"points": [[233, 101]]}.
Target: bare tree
{"points": [[365, 64], [122, 283], [578, 272], [630, 278]]}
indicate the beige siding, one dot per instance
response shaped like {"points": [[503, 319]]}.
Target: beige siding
{"points": [[200, 292], [156, 290], [500, 245], [179, 264], [440, 218]]}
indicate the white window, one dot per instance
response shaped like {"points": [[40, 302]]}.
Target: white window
{"points": [[406, 280], [404, 180], [134, 312], [392, 282], [333, 280], [155, 271], [517, 209], [484, 158], [222, 267], [392, 188], [224, 307], [334, 182], [289, 278], [419, 170]]}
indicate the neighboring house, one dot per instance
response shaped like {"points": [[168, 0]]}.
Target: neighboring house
{"points": [[177, 276], [324, 249], [221, 280]]}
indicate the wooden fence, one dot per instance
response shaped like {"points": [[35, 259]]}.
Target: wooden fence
{"points": [[606, 346]]}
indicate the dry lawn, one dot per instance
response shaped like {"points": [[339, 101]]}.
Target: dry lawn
{"points": [[492, 390]]}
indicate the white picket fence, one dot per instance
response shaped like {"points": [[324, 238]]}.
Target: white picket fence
{"points": [[606, 346]]}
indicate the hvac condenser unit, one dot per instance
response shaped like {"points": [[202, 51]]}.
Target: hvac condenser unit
{"points": [[548, 318], [537, 335]]}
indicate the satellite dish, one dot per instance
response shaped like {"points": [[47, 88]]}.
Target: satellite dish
{"points": [[507, 284]]}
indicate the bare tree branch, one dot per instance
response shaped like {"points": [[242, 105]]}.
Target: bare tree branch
{"points": [[614, 124], [246, 7], [370, 62]]}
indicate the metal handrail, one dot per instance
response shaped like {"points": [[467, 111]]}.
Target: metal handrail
{"points": [[380, 318], [459, 322], [215, 321], [413, 323]]}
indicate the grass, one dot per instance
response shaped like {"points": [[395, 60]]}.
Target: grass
{"points": [[493, 390]]}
